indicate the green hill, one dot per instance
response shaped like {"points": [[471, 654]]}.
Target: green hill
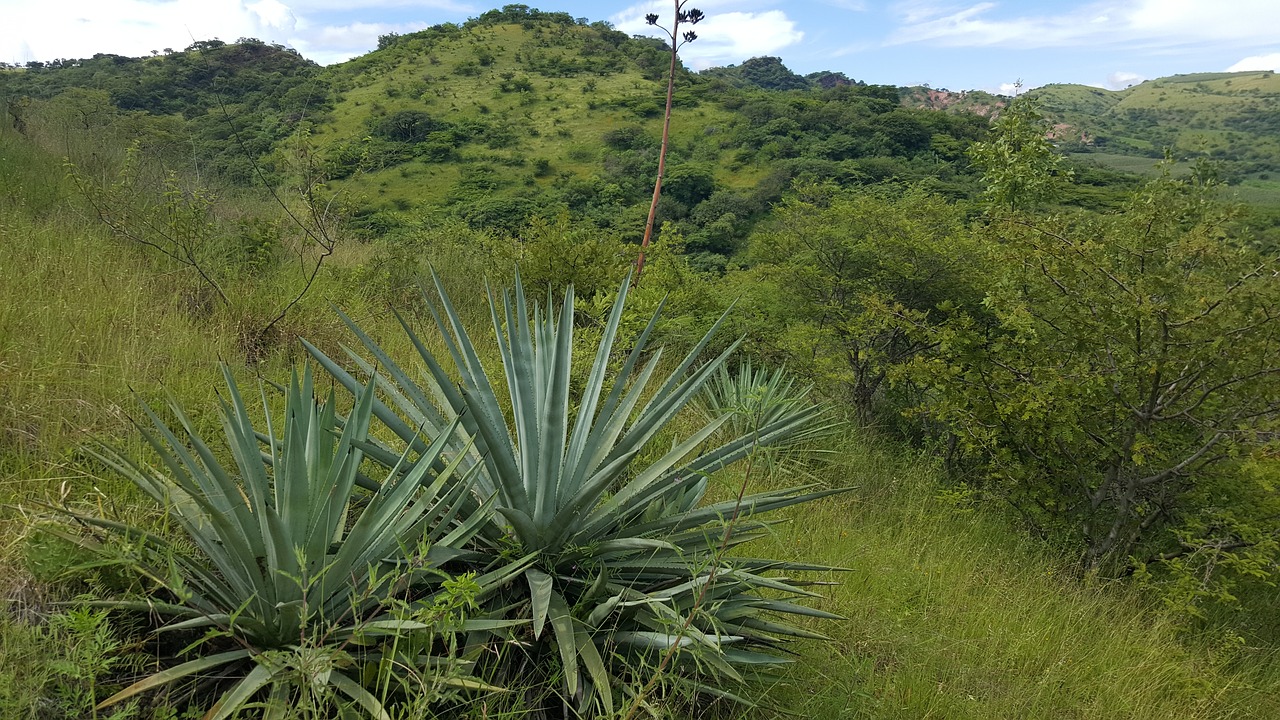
{"points": [[519, 114], [1228, 117]]}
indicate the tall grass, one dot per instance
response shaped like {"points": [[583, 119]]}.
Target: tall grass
{"points": [[952, 614]]}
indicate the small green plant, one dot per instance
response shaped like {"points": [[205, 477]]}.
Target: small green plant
{"points": [[88, 651], [753, 397]]}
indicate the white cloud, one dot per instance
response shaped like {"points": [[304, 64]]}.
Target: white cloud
{"points": [[854, 5], [273, 14], [1120, 80], [723, 37], [1160, 23], [81, 28], [336, 43], [1258, 62], [306, 6], [973, 26]]}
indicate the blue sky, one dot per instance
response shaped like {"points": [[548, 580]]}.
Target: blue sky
{"points": [[957, 45]]}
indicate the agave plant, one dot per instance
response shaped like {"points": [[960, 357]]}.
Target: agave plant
{"points": [[631, 564], [279, 555], [752, 396]]}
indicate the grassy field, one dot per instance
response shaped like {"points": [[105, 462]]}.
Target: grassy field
{"points": [[1126, 163], [952, 616], [949, 612]]}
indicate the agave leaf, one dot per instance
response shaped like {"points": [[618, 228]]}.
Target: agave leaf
{"points": [[278, 544], [175, 673], [540, 594], [591, 397], [409, 396], [693, 687], [495, 580], [554, 415], [642, 489], [594, 664], [239, 694], [490, 624], [485, 421], [601, 611], [776, 628], [359, 695], [750, 505], [662, 640], [621, 547], [566, 640]]}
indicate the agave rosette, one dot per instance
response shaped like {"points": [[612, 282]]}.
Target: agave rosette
{"points": [[280, 554], [630, 562]]}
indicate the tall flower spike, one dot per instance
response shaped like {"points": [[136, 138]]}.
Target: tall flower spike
{"points": [[691, 16]]}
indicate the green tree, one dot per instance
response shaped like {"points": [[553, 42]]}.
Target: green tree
{"points": [[1130, 365], [1020, 167], [842, 278]]}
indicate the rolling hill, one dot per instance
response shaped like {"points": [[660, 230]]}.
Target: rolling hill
{"points": [[519, 113], [1233, 118]]}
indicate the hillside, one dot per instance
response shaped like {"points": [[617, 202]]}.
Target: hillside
{"points": [[519, 114], [978, 102], [1231, 118], [950, 610]]}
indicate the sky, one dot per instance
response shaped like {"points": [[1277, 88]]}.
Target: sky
{"points": [[955, 45]]}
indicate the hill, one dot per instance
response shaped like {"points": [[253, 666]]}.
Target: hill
{"points": [[228, 103], [519, 114], [1231, 118]]}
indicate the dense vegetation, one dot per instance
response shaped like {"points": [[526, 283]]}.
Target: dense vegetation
{"points": [[904, 407]]}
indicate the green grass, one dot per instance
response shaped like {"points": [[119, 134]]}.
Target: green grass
{"points": [[952, 615], [1258, 192], [1125, 163], [559, 113]]}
